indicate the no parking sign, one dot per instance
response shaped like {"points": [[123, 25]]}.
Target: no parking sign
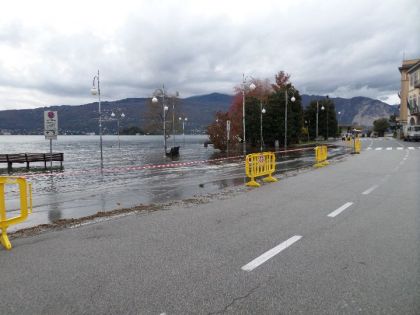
{"points": [[50, 125]]}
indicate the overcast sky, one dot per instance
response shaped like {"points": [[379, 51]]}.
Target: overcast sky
{"points": [[50, 50]]}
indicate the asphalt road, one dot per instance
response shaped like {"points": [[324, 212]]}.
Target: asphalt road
{"points": [[342, 239]]}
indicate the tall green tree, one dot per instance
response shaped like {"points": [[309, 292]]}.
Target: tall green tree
{"points": [[252, 120], [274, 119], [380, 126]]}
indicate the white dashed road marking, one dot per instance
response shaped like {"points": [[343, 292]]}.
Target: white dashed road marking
{"points": [[378, 149], [339, 210], [368, 191], [271, 253]]}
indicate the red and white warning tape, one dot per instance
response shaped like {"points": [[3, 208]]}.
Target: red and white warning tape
{"points": [[152, 166]]}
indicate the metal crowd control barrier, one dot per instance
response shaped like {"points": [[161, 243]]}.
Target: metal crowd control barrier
{"points": [[321, 155], [25, 192], [260, 164]]}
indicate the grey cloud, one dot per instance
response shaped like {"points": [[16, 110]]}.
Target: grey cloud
{"points": [[329, 47]]}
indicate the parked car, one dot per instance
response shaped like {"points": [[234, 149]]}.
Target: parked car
{"points": [[412, 133]]}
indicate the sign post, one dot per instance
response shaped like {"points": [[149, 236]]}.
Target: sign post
{"points": [[50, 129], [227, 136]]}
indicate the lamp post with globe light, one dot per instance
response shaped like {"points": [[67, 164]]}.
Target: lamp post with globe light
{"points": [[173, 116], [339, 122], [317, 119], [262, 111], [323, 108], [118, 118], [156, 94], [183, 127], [245, 87], [96, 90], [293, 99]]}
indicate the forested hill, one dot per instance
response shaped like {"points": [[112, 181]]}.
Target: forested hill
{"points": [[199, 110]]}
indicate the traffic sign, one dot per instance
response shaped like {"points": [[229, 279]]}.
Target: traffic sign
{"points": [[50, 125]]}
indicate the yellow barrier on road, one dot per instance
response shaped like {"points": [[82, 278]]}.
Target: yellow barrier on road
{"points": [[321, 155], [357, 146], [25, 192], [260, 164]]}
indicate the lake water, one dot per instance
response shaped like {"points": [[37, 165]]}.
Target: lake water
{"points": [[81, 188]]}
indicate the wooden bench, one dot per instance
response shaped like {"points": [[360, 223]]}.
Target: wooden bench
{"points": [[31, 157]]}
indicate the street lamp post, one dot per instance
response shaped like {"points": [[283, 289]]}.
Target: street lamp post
{"points": [[97, 91], [173, 116], [262, 111], [161, 92], [317, 111], [322, 108], [339, 121], [293, 99], [183, 127], [327, 123], [244, 88], [121, 116]]}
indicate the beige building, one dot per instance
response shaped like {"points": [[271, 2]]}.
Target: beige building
{"points": [[410, 93]]}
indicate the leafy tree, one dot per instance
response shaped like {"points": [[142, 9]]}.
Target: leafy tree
{"points": [[252, 111], [282, 80], [274, 119], [217, 132], [235, 115], [393, 125], [272, 98], [380, 126]]}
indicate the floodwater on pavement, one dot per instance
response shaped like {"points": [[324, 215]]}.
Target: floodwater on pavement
{"points": [[129, 176]]}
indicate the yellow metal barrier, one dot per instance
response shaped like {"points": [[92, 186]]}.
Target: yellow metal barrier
{"points": [[24, 188], [260, 164], [321, 155], [357, 145]]}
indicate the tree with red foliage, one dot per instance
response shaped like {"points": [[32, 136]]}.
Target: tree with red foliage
{"points": [[262, 91], [217, 132]]}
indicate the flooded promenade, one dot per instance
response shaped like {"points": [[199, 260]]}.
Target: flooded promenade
{"points": [[138, 173]]}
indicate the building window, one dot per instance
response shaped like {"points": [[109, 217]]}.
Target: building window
{"points": [[410, 104], [417, 103]]}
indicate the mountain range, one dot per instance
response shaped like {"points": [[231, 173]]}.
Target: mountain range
{"points": [[199, 110]]}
